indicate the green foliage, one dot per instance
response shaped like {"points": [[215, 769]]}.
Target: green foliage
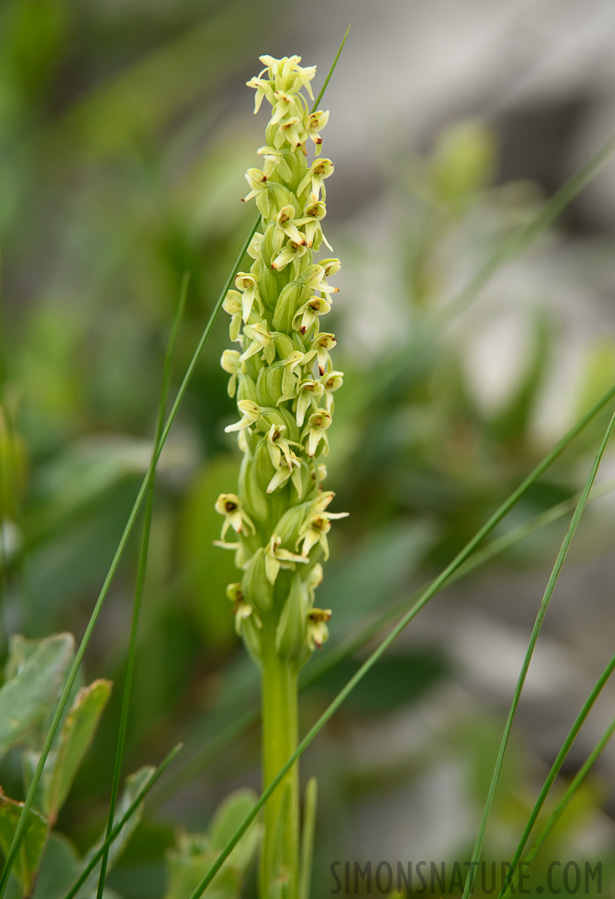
{"points": [[33, 677], [75, 737], [194, 854], [33, 844]]}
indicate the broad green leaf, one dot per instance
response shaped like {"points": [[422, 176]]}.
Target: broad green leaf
{"points": [[59, 868], [32, 845], [76, 735], [190, 862], [227, 819], [194, 854], [37, 674], [134, 783]]}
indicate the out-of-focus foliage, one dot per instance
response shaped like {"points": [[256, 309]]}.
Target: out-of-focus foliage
{"points": [[195, 853], [121, 168], [47, 864]]}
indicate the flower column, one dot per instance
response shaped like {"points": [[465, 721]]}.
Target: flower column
{"points": [[284, 382]]}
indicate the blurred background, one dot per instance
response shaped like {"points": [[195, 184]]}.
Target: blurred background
{"points": [[125, 132]]}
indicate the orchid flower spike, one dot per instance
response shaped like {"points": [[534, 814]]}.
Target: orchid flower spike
{"points": [[282, 377]]}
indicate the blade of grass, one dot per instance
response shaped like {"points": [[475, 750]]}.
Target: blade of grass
{"points": [[140, 581], [425, 597], [20, 829], [331, 71], [117, 829], [576, 782], [325, 662], [555, 769], [546, 599]]}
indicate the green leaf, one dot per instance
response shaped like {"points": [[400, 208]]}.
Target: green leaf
{"points": [[29, 855], [227, 819], [190, 862], [76, 735], [35, 673], [194, 854], [59, 868]]}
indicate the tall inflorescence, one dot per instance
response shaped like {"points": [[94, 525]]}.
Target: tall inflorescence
{"points": [[283, 379]]}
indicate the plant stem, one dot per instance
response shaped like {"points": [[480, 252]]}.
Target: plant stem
{"points": [[280, 853]]}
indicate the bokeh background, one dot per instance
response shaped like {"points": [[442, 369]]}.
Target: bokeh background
{"points": [[125, 130]]}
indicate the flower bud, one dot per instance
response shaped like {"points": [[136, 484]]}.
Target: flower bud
{"points": [[257, 588], [291, 632]]}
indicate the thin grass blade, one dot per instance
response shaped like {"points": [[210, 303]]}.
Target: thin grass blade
{"points": [[331, 71], [559, 562], [576, 782], [555, 769], [140, 581], [117, 829]]}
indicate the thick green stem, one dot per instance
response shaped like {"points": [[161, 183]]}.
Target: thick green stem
{"points": [[279, 868]]}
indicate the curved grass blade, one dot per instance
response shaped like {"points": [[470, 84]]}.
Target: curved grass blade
{"points": [[555, 769], [425, 597], [559, 562], [117, 829], [141, 570]]}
